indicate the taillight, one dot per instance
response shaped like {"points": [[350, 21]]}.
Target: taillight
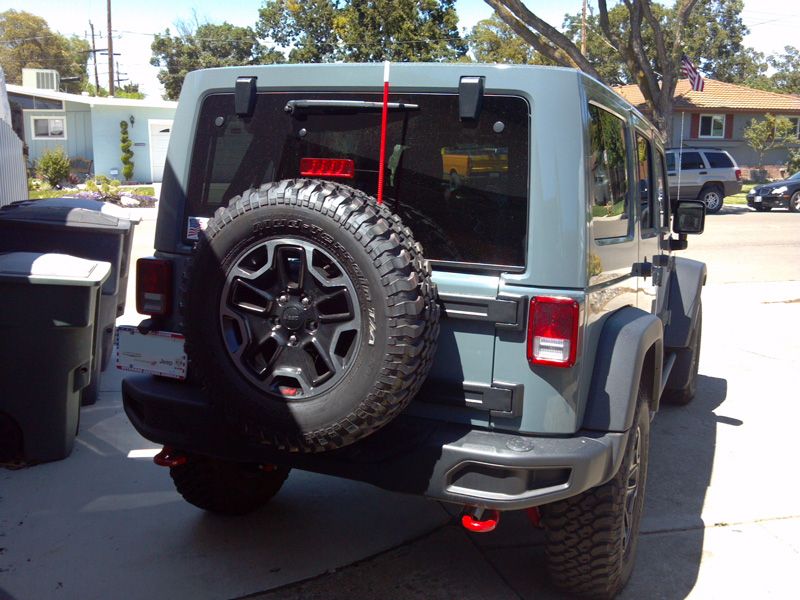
{"points": [[153, 286], [553, 331], [328, 167], [738, 174]]}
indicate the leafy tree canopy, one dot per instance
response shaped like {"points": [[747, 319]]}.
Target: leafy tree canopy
{"points": [[492, 41], [26, 41], [200, 46], [363, 30]]}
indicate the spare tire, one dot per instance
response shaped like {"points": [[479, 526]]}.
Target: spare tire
{"points": [[310, 316]]}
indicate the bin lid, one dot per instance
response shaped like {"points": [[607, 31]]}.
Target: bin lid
{"points": [[64, 213], [52, 269], [107, 208]]}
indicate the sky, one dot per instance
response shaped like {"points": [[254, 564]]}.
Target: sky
{"points": [[773, 24]]}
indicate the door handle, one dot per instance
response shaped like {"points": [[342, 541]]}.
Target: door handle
{"points": [[703, 172]]}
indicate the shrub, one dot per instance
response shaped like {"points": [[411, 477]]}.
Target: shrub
{"points": [[793, 166], [104, 188], [127, 153], [53, 166]]}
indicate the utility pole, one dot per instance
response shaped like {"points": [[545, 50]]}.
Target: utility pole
{"points": [[110, 53], [94, 59], [583, 29], [120, 79]]}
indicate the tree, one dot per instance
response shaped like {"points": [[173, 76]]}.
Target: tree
{"points": [[399, 30], [363, 30], [492, 41], [201, 46], [305, 27], [770, 133], [125, 147], [786, 79], [654, 68], [26, 41], [129, 90]]}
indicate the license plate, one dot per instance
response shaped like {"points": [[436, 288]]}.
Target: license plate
{"points": [[757, 199], [156, 353]]}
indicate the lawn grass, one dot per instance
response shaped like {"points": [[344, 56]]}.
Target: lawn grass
{"points": [[741, 197]]}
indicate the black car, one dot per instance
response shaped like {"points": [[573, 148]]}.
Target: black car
{"points": [[779, 194]]}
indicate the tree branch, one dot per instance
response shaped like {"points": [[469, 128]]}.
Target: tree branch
{"points": [[517, 16]]}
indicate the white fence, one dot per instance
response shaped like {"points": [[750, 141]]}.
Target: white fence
{"points": [[13, 179]]}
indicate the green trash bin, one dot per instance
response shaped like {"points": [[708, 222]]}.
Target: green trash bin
{"points": [[87, 229], [47, 328]]}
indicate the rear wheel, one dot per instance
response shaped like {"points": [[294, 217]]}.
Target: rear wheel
{"points": [[712, 196], [227, 488], [794, 202], [591, 538]]}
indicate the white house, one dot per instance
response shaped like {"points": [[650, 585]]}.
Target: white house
{"points": [[88, 127]]}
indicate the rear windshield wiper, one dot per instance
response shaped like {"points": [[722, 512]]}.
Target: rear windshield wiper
{"points": [[343, 106]]}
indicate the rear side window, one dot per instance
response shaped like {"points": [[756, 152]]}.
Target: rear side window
{"points": [[608, 172], [691, 160], [462, 187], [718, 160]]}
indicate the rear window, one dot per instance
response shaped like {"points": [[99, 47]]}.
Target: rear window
{"points": [[461, 186], [718, 160]]}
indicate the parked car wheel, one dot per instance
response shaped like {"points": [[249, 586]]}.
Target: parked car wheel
{"points": [[591, 539], [311, 317], [226, 488], [712, 196], [794, 202]]}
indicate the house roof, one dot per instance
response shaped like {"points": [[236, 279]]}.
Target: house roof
{"points": [[90, 100], [720, 95]]}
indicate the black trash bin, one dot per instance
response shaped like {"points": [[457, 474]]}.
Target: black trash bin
{"points": [[47, 323], [87, 229]]}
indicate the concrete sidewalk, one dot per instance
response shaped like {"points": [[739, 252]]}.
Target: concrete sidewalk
{"points": [[722, 517]]}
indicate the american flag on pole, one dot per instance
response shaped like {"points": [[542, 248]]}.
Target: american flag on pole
{"points": [[194, 226], [689, 70]]}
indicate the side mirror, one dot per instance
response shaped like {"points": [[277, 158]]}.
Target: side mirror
{"points": [[690, 217]]}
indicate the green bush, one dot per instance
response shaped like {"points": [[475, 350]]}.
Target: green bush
{"points": [[127, 153], [107, 188], [53, 166], [793, 166]]}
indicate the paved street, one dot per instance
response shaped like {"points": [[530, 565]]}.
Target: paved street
{"points": [[722, 515]]}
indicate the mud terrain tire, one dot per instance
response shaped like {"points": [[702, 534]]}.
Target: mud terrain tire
{"points": [[310, 315]]}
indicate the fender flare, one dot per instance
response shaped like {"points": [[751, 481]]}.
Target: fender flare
{"points": [[623, 355], [685, 285]]}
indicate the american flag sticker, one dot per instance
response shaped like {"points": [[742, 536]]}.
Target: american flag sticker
{"points": [[194, 225]]}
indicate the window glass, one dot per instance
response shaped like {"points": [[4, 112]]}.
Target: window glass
{"points": [[643, 176], [49, 127], [718, 160], [670, 162], [609, 177], [691, 160], [661, 196], [461, 187], [712, 125], [29, 102]]}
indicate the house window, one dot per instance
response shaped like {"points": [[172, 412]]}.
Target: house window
{"points": [[795, 121], [49, 128], [712, 126]]}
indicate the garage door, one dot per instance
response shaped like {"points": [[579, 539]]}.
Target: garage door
{"points": [[159, 140]]}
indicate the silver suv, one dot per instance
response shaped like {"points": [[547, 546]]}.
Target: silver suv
{"points": [[708, 174]]}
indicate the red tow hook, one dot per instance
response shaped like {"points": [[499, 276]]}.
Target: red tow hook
{"points": [[480, 520], [169, 457], [535, 516]]}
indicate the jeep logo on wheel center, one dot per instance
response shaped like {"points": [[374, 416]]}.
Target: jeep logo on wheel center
{"points": [[293, 318]]}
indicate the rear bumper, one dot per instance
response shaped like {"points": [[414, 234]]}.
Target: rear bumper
{"points": [[444, 461], [732, 188]]}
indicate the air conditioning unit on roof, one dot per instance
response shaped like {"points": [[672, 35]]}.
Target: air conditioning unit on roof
{"points": [[41, 79]]}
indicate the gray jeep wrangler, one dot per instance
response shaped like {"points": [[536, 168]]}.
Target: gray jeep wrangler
{"points": [[494, 328]]}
